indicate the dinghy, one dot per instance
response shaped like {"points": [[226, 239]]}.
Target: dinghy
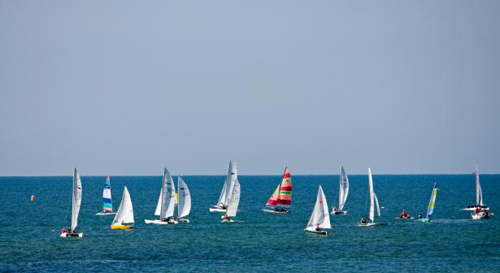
{"points": [[124, 218], [343, 192], [373, 204], [184, 206], [107, 206], [166, 202], [479, 195], [227, 189], [430, 209], [320, 218], [76, 201], [281, 199], [232, 206]]}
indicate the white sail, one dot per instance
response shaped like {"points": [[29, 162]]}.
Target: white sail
{"points": [[76, 199], [168, 196], [158, 205], [320, 216], [376, 204], [222, 197], [232, 207], [343, 188], [125, 213], [232, 176], [184, 206], [372, 196], [479, 192]]}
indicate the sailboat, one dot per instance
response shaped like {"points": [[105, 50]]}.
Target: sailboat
{"points": [[281, 199], [107, 206], [184, 206], [227, 189], [430, 209], [373, 204], [166, 202], [232, 206], [124, 218], [76, 201], [343, 192], [479, 195], [320, 218]]}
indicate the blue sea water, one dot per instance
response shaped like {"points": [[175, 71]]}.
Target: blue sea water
{"points": [[453, 242]]}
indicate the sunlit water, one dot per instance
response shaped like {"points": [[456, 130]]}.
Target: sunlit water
{"points": [[260, 242]]}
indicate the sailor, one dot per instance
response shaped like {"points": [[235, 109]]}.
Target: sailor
{"points": [[363, 220], [404, 214], [226, 217], [419, 216], [63, 230], [334, 209], [317, 228]]}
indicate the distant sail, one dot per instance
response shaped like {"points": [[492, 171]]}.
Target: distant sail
{"points": [[184, 206], [282, 196], [106, 196], [432, 202], [479, 191], [232, 207], [168, 196], [320, 216], [76, 199], [125, 213], [343, 188]]}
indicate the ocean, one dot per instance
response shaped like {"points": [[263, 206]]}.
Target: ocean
{"points": [[260, 242]]}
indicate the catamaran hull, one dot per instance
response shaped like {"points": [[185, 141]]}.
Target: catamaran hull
{"points": [[122, 227], [474, 208], [183, 220], [71, 235], [274, 211], [217, 210], [423, 220], [106, 213], [341, 212], [404, 218], [158, 222]]}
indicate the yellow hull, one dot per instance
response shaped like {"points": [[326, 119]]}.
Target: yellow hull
{"points": [[122, 227]]}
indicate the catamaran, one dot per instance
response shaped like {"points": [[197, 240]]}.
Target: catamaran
{"points": [[320, 218], [184, 206], [227, 189], [124, 218], [373, 203], [76, 201], [430, 209], [166, 202], [343, 192], [232, 206], [479, 195], [107, 206], [281, 199]]}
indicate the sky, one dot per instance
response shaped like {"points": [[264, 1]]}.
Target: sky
{"points": [[131, 87]]}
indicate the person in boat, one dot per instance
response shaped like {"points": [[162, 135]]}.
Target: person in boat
{"points": [[64, 230], [317, 228], [334, 209], [477, 210], [226, 218], [469, 206], [404, 215], [362, 221], [419, 216]]}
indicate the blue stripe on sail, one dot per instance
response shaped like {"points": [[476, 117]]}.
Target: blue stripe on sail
{"points": [[106, 200]]}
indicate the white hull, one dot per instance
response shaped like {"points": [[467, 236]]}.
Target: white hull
{"points": [[403, 218], [274, 211], [183, 220], [481, 215], [106, 213], [217, 210], [474, 208], [317, 232], [337, 212], [371, 224], [71, 235], [227, 221], [158, 222]]}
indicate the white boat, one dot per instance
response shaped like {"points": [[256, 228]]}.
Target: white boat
{"points": [[184, 206], [479, 195], [166, 202], [430, 208], [76, 202], [481, 214], [234, 201], [373, 203], [320, 218], [227, 189], [107, 204], [281, 199], [124, 218], [343, 192]]}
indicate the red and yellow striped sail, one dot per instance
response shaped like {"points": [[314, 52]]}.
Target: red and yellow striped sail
{"points": [[282, 196]]}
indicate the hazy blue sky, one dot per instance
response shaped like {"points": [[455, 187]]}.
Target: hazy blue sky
{"points": [[128, 87]]}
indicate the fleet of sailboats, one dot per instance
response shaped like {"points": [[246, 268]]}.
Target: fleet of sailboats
{"points": [[320, 218], [76, 202], [343, 193], [124, 218], [229, 199], [373, 203], [281, 199], [430, 209], [227, 189], [107, 206]]}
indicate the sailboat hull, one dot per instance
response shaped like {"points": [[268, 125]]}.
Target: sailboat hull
{"points": [[317, 232], [71, 235], [423, 220], [122, 227], [106, 213], [159, 222], [371, 224], [481, 215], [183, 220], [474, 208], [274, 211], [340, 212], [217, 210]]}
